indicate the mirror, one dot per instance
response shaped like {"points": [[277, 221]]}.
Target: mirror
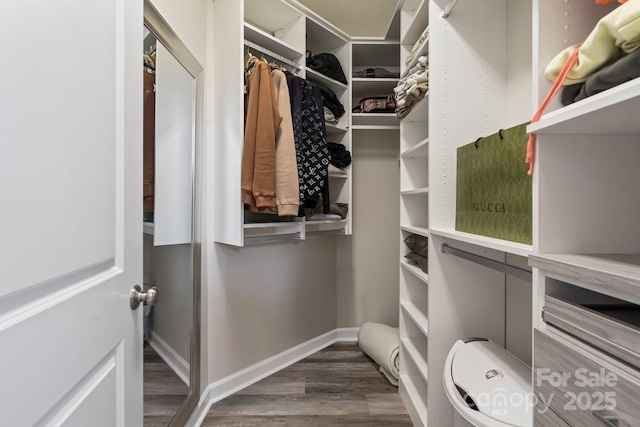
{"points": [[171, 80]]}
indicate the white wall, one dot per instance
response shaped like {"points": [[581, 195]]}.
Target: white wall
{"points": [[368, 261], [267, 298]]}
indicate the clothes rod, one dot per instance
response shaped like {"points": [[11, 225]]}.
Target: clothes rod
{"points": [[258, 239], [448, 8], [271, 54], [511, 270], [323, 233]]}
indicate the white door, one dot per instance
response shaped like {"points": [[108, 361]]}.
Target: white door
{"points": [[70, 212]]}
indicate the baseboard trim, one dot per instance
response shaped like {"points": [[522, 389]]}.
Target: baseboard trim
{"points": [[202, 409], [171, 357], [225, 387], [347, 334], [254, 373]]}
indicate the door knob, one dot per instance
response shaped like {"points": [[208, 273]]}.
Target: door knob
{"points": [[148, 298]]}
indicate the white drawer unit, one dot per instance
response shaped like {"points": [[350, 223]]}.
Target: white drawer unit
{"points": [[582, 385]]}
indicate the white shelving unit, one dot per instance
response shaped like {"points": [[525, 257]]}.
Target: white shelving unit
{"points": [[284, 31], [596, 254], [414, 219]]}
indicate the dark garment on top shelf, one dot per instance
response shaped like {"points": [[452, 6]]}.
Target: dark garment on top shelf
{"points": [[327, 64], [310, 137], [339, 156], [624, 69], [376, 73], [330, 100]]}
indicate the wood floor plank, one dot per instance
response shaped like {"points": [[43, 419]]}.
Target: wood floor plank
{"points": [[385, 404], [246, 421], [338, 386], [157, 420], [275, 386], [324, 404], [350, 420], [366, 385]]}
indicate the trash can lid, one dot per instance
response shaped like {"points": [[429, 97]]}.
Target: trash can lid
{"points": [[497, 382]]}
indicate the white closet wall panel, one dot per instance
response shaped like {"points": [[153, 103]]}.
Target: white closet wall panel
{"points": [[175, 90]]}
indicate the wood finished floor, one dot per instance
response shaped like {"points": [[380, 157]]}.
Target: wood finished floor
{"points": [[164, 391], [338, 386]]}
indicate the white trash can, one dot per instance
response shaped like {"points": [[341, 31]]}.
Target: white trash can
{"points": [[487, 385]]}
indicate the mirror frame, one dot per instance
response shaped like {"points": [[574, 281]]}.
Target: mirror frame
{"points": [[165, 35]]}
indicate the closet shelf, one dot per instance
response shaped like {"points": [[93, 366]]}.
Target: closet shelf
{"points": [[266, 40], [332, 84], [420, 11], [416, 192], [416, 230], [424, 50], [615, 274], [418, 318], [487, 242], [375, 127], [148, 228], [363, 87], [420, 111], [333, 129], [417, 358], [374, 53], [416, 403], [420, 150], [374, 119], [612, 112], [416, 271]]}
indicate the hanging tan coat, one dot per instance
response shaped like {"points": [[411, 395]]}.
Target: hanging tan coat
{"points": [[259, 155], [287, 191]]}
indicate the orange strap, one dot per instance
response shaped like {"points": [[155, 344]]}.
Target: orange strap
{"points": [[531, 144]]}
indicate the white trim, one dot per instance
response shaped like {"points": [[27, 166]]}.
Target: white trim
{"points": [[254, 373], [347, 334], [171, 357], [202, 409], [225, 387]]}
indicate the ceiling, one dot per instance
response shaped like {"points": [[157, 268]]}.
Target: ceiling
{"points": [[358, 18]]}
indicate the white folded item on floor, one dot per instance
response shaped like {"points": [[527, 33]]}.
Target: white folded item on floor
{"points": [[382, 344]]}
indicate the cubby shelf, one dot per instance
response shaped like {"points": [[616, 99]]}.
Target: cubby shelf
{"points": [[363, 87], [266, 40], [419, 112], [370, 53], [416, 271], [417, 317], [420, 20], [379, 119], [332, 84], [424, 50], [375, 127], [417, 358], [612, 112], [416, 230], [420, 150], [415, 401], [416, 192], [487, 242]]}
